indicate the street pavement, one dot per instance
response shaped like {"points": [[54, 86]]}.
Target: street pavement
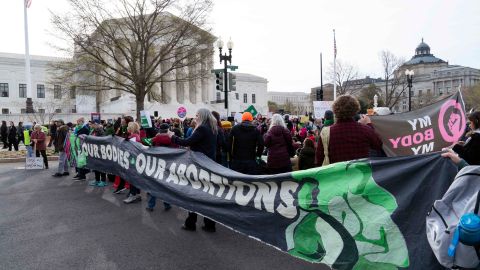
{"points": [[56, 223]]}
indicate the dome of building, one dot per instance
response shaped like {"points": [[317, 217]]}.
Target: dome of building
{"points": [[423, 55]]}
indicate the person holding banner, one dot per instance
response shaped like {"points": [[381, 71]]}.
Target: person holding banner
{"points": [[204, 140], [38, 138], [133, 131], [470, 149], [81, 128], [347, 139]]}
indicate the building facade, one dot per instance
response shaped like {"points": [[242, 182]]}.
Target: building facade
{"points": [[55, 101], [47, 97], [297, 103], [433, 78], [250, 90]]}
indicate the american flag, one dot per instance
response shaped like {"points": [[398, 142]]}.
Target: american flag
{"points": [[28, 3], [334, 45]]}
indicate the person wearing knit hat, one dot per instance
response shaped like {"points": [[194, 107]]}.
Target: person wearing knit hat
{"points": [[245, 144], [328, 118], [247, 116], [226, 125]]}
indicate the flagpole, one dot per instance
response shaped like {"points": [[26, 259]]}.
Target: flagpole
{"points": [[28, 77], [334, 67]]}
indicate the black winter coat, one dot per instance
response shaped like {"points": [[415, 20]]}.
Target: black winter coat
{"points": [[470, 152], [12, 134], [245, 142], [202, 140]]}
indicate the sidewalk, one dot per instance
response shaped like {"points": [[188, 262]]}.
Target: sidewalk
{"points": [[20, 155]]}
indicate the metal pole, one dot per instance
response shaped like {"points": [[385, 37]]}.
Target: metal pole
{"points": [[334, 67], [225, 79], [321, 73], [409, 93], [28, 78]]}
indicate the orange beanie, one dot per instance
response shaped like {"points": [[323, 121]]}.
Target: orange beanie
{"points": [[246, 116]]}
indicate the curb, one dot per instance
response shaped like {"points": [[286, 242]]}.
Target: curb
{"points": [[16, 160]]}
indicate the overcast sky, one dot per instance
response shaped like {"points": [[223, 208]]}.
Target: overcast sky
{"points": [[282, 40]]}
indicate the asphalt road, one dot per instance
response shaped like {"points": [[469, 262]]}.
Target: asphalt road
{"points": [[56, 223]]}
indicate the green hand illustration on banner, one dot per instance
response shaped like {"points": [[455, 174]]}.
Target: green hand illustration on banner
{"points": [[345, 216]]}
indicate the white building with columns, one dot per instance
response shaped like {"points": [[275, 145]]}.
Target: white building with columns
{"points": [[55, 101], [433, 78], [47, 97]]}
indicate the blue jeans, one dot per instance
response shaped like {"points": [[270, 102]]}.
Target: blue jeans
{"points": [[62, 162], [152, 201], [29, 151]]}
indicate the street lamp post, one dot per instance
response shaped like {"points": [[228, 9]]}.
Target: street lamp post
{"points": [[409, 74], [225, 59]]}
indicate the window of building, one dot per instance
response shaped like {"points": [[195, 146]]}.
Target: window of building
{"points": [[245, 98], [404, 94], [40, 91], [58, 110], [23, 110], [420, 93], [41, 110], [74, 109], [219, 96], [72, 92], [4, 89], [253, 98], [22, 90], [404, 107], [57, 92], [429, 91], [237, 96], [5, 111]]}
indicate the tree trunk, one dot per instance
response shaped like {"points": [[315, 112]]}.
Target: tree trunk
{"points": [[140, 106]]}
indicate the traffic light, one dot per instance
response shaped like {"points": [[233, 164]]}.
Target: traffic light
{"points": [[232, 82], [219, 81], [319, 94]]}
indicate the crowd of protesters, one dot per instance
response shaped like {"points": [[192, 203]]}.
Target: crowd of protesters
{"points": [[288, 144]]}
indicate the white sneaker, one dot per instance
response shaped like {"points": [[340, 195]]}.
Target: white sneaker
{"points": [[130, 199]]}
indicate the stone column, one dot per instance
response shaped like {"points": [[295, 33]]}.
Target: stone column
{"points": [[186, 85]]}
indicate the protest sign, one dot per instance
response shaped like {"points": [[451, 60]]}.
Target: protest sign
{"points": [[425, 130], [319, 108], [95, 117], [33, 163], [251, 109], [146, 121], [182, 112], [363, 214]]}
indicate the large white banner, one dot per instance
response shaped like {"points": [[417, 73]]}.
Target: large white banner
{"points": [[319, 108]]}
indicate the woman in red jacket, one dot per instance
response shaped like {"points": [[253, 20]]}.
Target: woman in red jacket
{"points": [[38, 138]]}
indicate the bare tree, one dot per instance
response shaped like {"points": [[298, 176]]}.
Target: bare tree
{"points": [[135, 46], [344, 77], [367, 96], [395, 83], [272, 106], [44, 111], [472, 97]]}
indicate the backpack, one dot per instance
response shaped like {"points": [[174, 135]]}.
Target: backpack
{"points": [[453, 224]]}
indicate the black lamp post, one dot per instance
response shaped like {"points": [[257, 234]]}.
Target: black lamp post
{"points": [[409, 74], [225, 59]]}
